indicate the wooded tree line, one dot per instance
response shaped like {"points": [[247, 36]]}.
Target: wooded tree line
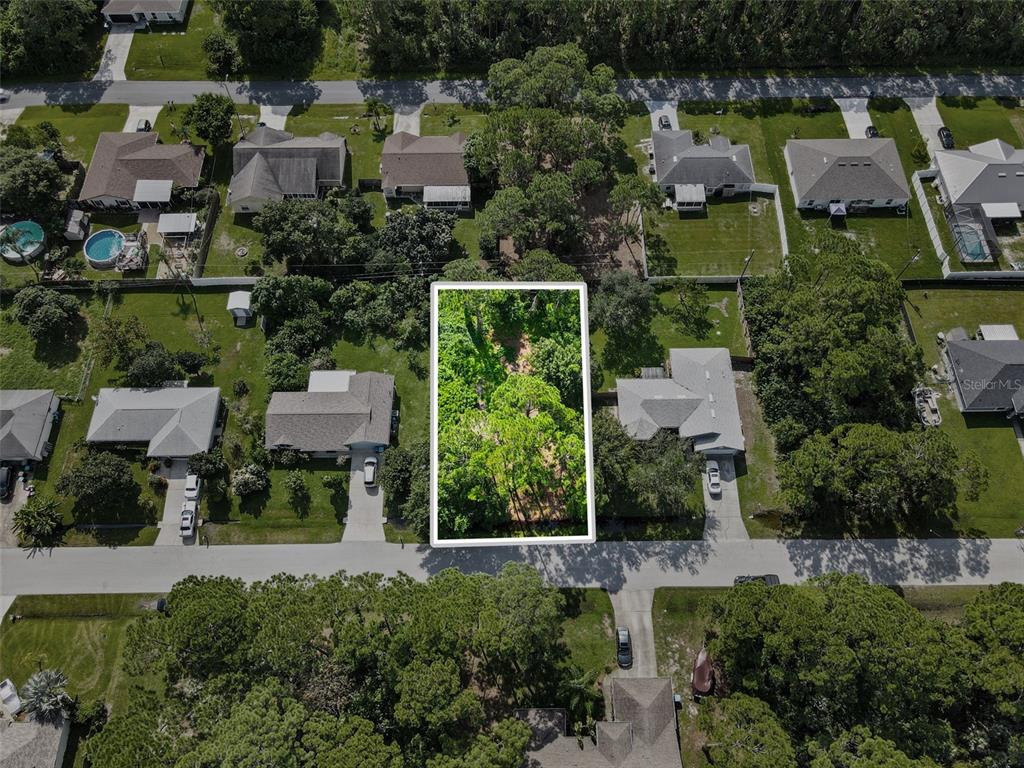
{"points": [[511, 448], [663, 35], [834, 371], [339, 673], [842, 674]]}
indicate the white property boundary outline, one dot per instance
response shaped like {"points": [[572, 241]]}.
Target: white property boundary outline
{"points": [[588, 438]]}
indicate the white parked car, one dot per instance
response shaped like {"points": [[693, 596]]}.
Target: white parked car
{"points": [[192, 483], [370, 471], [714, 478], [188, 520], [9, 697]]}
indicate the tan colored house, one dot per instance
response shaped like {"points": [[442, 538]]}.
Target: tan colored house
{"points": [[428, 170]]}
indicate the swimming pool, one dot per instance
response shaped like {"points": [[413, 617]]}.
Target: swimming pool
{"points": [[27, 241], [103, 247]]}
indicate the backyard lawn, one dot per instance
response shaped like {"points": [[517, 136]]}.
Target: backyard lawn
{"points": [[679, 626], [79, 124], [724, 331], [999, 510], [588, 630], [172, 51], [756, 478], [973, 121], [82, 635]]}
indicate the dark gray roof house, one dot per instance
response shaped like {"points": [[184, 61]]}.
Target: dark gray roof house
{"points": [[31, 744], [698, 401], [271, 165], [677, 160], [854, 172], [26, 419], [174, 421], [355, 415], [988, 375], [641, 733]]}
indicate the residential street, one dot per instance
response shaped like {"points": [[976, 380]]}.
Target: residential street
{"points": [[612, 565], [140, 92]]}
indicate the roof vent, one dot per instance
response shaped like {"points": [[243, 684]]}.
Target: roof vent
{"points": [[1019, 173], [707, 375], [712, 413], [1001, 175], [711, 397], [866, 164]]}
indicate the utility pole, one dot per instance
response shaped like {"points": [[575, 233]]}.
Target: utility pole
{"points": [[238, 120], [746, 263], [910, 261]]}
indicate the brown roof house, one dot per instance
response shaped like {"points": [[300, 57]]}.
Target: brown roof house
{"points": [[339, 412], [641, 733], [271, 165], [133, 170], [428, 170]]}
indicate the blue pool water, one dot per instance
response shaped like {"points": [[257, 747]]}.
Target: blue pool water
{"points": [[28, 240], [103, 247]]}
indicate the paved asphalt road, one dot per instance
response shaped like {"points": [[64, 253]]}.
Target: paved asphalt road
{"points": [[145, 92], [612, 565]]}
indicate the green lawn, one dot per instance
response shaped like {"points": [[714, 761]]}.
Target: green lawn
{"points": [[724, 331], [973, 121], [998, 512], [347, 120], [679, 626], [894, 120], [79, 124], [82, 635], [172, 51], [756, 470], [446, 119], [589, 632], [943, 603]]}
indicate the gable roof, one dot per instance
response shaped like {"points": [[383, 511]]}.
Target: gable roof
{"points": [[144, 6], [270, 164], [330, 421], [989, 374], [121, 160], [418, 161], [698, 401], [677, 160], [642, 733], [32, 744], [990, 172], [846, 169], [175, 421], [26, 418]]}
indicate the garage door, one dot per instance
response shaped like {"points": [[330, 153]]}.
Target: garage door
{"points": [[122, 18]]}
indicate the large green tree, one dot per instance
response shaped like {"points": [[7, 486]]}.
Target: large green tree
{"points": [[742, 732], [102, 484], [209, 118], [40, 37], [50, 317], [272, 34], [30, 186]]}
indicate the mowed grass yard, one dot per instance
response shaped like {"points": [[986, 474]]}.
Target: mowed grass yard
{"points": [[589, 632], [79, 124], [999, 511], [84, 636], [724, 330], [172, 51], [973, 121]]}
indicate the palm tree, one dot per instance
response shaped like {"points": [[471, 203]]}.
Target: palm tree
{"points": [[45, 697], [578, 693], [38, 522]]}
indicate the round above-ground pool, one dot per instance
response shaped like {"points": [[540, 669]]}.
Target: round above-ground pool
{"points": [[23, 242], [103, 247]]}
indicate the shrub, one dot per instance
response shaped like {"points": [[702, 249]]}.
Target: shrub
{"points": [[298, 491], [158, 483], [38, 522], [207, 464], [240, 388], [336, 482], [47, 315], [249, 479]]}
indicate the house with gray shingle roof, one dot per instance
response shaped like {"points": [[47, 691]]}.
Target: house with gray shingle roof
{"points": [[338, 413], [641, 733], [145, 11], [680, 167], [26, 420], [987, 374], [174, 422], [697, 401], [428, 170], [846, 174], [32, 744], [273, 165], [134, 170]]}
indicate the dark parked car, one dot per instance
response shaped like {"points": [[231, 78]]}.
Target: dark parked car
{"points": [[623, 648], [6, 483], [664, 123], [946, 138], [871, 132], [769, 578], [702, 677]]}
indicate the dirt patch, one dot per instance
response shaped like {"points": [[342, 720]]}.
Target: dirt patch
{"points": [[4, 351]]}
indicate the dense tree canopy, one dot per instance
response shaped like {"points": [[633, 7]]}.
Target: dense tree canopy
{"points": [[209, 117], [857, 677], [30, 186], [270, 34], [102, 485], [299, 232], [41, 37], [340, 673], [50, 317], [510, 435]]}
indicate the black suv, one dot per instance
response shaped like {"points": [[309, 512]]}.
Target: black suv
{"points": [[623, 648], [6, 483], [871, 132], [946, 138]]}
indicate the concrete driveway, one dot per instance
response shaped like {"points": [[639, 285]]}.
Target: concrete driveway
{"points": [[926, 115], [365, 521], [140, 113], [7, 510], [173, 499], [724, 520], [407, 118], [666, 108], [855, 115], [633, 611], [275, 115], [115, 53]]}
